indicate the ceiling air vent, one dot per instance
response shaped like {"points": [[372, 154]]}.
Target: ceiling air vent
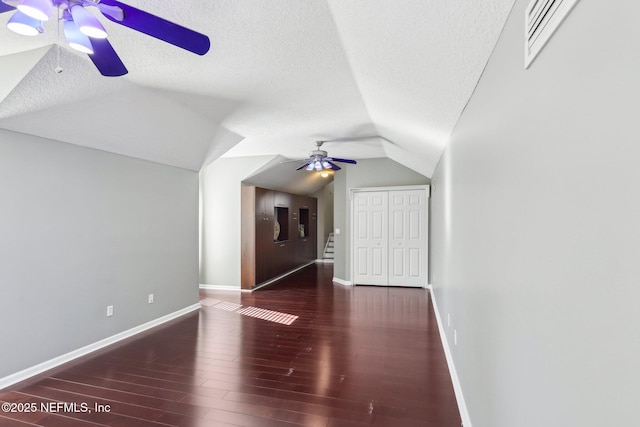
{"points": [[542, 18]]}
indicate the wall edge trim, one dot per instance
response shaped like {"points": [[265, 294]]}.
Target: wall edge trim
{"points": [[219, 287], [342, 282], [82, 351], [262, 285], [457, 387]]}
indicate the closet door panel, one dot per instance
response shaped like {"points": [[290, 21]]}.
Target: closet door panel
{"points": [[408, 238], [371, 211]]}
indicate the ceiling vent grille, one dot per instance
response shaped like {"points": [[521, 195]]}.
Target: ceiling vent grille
{"points": [[542, 18]]}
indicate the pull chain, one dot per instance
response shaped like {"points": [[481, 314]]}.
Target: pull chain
{"points": [[58, 69]]}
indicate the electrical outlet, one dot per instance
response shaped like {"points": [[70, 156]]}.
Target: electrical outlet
{"points": [[109, 310], [150, 298]]}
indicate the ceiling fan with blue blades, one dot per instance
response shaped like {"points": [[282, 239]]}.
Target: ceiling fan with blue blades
{"points": [[319, 160], [84, 32]]}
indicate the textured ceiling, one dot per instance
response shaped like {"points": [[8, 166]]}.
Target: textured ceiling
{"points": [[280, 75]]}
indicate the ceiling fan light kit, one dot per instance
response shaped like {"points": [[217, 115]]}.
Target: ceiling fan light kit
{"points": [[85, 33], [24, 24], [87, 23], [76, 39], [319, 160], [37, 9]]}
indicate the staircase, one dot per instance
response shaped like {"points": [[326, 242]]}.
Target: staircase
{"points": [[328, 248]]}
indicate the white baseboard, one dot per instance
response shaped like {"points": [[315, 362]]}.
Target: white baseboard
{"points": [[219, 288], [275, 279], [342, 282], [268, 282], [457, 388], [57, 361], [262, 285]]}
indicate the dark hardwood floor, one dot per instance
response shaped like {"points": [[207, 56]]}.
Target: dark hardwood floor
{"points": [[354, 356]]}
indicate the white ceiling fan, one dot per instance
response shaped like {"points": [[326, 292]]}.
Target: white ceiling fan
{"points": [[86, 34], [320, 160]]}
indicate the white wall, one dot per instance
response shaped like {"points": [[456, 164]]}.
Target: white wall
{"points": [[220, 186], [535, 228], [81, 229], [320, 220], [328, 215], [380, 172]]}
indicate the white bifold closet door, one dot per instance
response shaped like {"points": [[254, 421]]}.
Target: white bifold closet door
{"points": [[371, 237], [390, 237]]}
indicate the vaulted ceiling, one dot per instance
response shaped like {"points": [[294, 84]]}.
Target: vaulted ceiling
{"points": [[280, 75]]}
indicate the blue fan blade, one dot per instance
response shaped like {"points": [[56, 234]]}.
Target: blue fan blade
{"points": [[5, 7], [335, 159], [334, 166], [159, 28], [303, 166], [106, 59]]}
